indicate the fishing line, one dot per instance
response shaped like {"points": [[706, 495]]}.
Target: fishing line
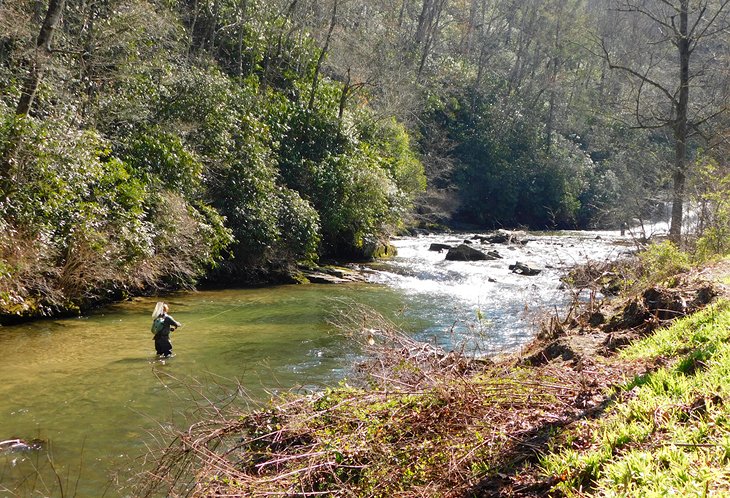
{"points": [[223, 312]]}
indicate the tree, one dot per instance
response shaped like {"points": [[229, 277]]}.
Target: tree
{"points": [[43, 50], [678, 32], [30, 85]]}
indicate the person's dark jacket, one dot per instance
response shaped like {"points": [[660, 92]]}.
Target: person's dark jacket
{"points": [[168, 325]]}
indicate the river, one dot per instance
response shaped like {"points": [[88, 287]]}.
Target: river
{"points": [[91, 389]]}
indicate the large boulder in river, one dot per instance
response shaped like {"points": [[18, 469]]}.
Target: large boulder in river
{"points": [[503, 237], [464, 252], [373, 248]]}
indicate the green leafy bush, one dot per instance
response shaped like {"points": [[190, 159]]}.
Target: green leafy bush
{"points": [[505, 173], [662, 260], [299, 227], [161, 159], [713, 199], [81, 223]]}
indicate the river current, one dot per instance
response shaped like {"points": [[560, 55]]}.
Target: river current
{"points": [[92, 392]]}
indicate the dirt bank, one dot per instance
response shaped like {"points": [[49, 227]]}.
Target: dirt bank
{"points": [[583, 347]]}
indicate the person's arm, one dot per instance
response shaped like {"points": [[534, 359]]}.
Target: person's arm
{"points": [[173, 322]]}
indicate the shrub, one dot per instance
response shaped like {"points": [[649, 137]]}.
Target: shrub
{"points": [[81, 224], [713, 198], [662, 260], [161, 159], [299, 227]]}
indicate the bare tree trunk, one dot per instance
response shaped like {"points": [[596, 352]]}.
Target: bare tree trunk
{"points": [[465, 45], [555, 63], [30, 87], [431, 29], [43, 51], [680, 127], [524, 41], [343, 97], [402, 13], [241, 16], [424, 18], [213, 27]]}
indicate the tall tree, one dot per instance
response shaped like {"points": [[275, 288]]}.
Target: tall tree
{"points": [[35, 64], [680, 32]]}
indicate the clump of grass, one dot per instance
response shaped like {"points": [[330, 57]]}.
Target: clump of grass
{"points": [[663, 260], [669, 431]]}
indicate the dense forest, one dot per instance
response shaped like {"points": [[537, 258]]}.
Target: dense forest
{"points": [[150, 144]]}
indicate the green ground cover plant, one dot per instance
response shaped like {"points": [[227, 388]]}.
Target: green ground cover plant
{"points": [[669, 431]]}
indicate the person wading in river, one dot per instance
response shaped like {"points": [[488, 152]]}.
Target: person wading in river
{"points": [[162, 325]]}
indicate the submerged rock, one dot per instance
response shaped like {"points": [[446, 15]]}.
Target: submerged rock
{"points": [[21, 445]]}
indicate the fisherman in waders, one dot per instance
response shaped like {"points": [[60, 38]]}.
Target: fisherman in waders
{"points": [[162, 325]]}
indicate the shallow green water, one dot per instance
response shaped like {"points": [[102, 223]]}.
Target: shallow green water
{"points": [[92, 388]]}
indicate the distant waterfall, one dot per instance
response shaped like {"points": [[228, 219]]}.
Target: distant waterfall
{"points": [[661, 219]]}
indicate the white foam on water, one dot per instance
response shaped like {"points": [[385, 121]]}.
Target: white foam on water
{"points": [[483, 303]]}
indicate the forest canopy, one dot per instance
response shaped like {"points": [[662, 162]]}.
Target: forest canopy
{"points": [[148, 144]]}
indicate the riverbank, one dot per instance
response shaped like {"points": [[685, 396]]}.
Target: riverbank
{"points": [[19, 305], [416, 421]]}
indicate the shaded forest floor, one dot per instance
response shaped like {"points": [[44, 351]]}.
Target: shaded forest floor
{"points": [[417, 421]]}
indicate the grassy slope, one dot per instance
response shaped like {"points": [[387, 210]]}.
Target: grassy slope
{"points": [[669, 431]]}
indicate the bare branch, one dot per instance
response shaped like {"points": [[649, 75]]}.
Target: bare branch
{"points": [[704, 33], [633, 8], [636, 74]]}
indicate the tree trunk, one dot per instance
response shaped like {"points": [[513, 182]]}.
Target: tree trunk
{"points": [[680, 126], [343, 98], [322, 54], [424, 18], [30, 87], [43, 50], [467, 40], [241, 19], [401, 14], [555, 64], [430, 34]]}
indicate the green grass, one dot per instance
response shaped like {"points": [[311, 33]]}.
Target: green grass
{"points": [[669, 433]]}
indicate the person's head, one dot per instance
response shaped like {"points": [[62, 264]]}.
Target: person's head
{"points": [[159, 307], [165, 308]]}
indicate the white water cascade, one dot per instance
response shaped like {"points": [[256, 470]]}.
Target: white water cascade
{"points": [[482, 305]]}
